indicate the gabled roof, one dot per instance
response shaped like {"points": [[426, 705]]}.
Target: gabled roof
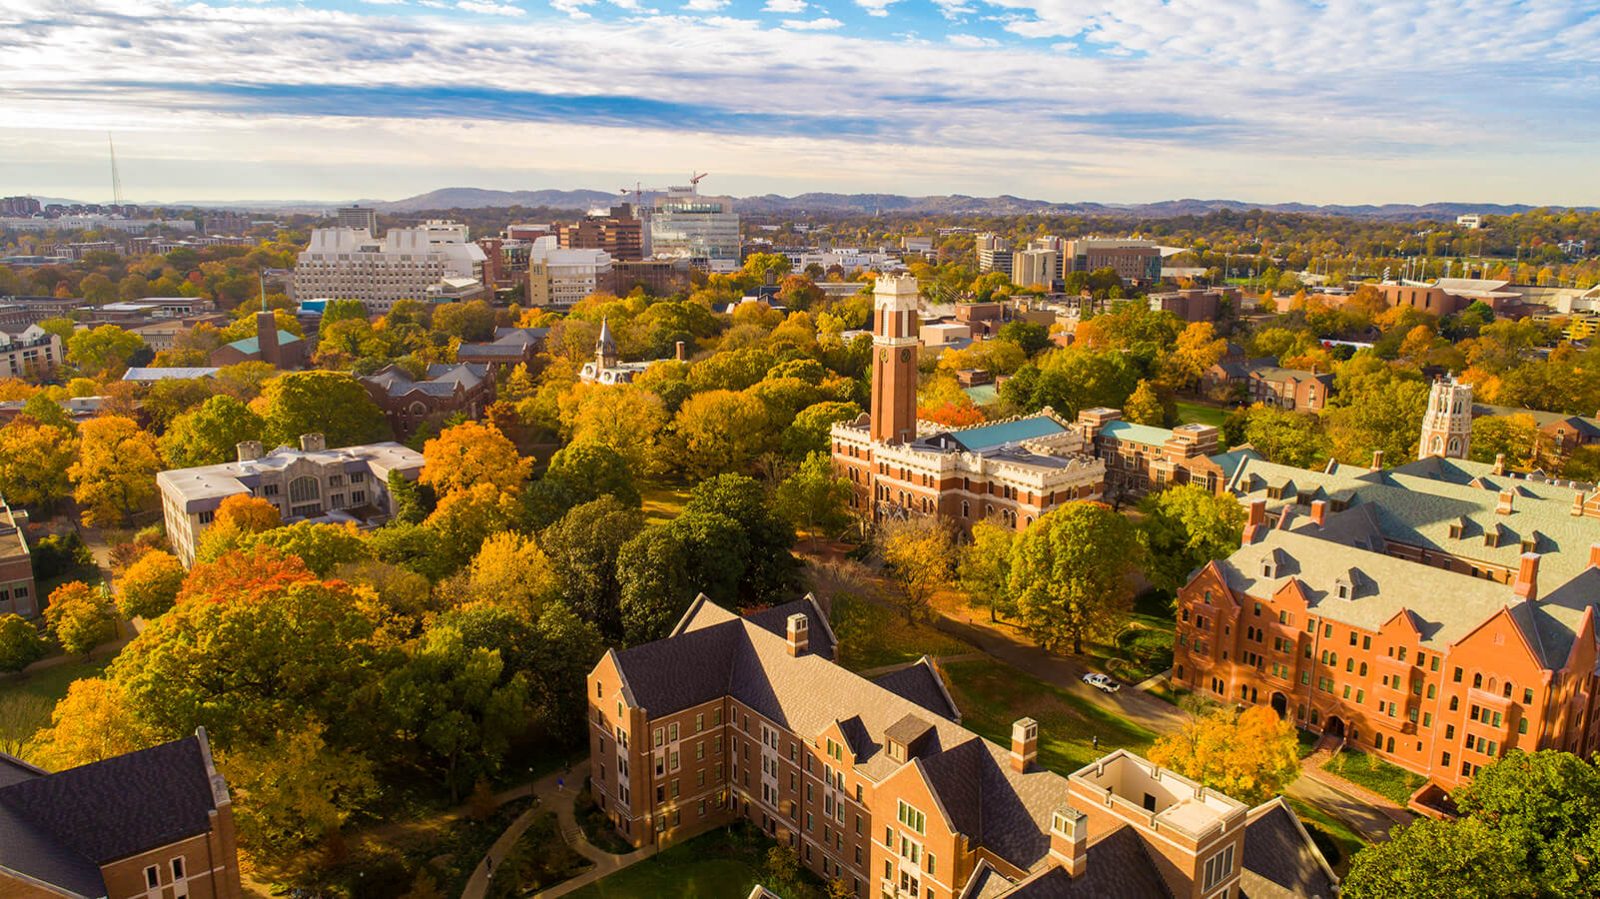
{"points": [[920, 682], [60, 828], [1280, 860], [250, 345]]}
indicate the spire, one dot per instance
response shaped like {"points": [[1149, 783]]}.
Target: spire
{"points": [[606, 344]]}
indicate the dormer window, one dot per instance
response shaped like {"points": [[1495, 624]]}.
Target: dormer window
{"points": [[1269, 568], [1528, 544], [1274, 492], [1343, 589]]}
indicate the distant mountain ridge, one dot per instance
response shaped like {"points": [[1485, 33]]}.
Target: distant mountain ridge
{"points": [[953, 204]]}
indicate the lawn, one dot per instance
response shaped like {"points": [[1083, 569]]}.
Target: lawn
{"points": [[1190, 412], [1334, 839], [993, 695], [873, 636], [1143, 648], [663, 502], [26, 702], [540, 858], [1377, 775], [723, 864]]}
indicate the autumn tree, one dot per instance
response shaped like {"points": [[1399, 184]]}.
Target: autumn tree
{"points": [[332, 404], [1184, 527], [93, 722], [150, 585], [21, 644], [80, 617], [34, 460], [472, 454], [1194, 352], [719, 431], [1285, 436], [918, 552], [1516, 437], [1070, 575], [210, 434], [815, 499], [811, 428], [1145, 406], [511, 570], [102, 351], [321, 546], [115, 474], [983, 568], [1250, 755]]}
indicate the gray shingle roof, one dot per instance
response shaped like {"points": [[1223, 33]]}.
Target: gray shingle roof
{"points": [[1280, 861], [920, 683], [1118, 866]]}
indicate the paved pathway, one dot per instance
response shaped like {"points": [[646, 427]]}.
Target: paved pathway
{"points": [[1371, 814], [549, 795]]}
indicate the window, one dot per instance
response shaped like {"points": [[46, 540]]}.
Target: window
{"points": [[1218, 868], [152, 877], [177, 868], [910, 817]]}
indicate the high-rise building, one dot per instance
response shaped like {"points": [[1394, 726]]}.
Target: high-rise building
{"points": [[1447, 425], [705, 229], [1035, 267], [994, 253], [349, 263], [361, 218], [19, 206], [559, 278], [619, 233]]}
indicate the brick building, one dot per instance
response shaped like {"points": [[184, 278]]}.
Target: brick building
{"points": [[619, 232], [1196, 304], [152, 823], [1011, 471], [509, 348], [1436, 614], [466, 388], [271, 345], [876, 784], [1139, 458], [18, 592], [1264, 381]]}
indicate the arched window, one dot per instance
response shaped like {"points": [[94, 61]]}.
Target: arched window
{"points": [[304, 490], [1477, 681], [964, 509], [1455, 445], [1438, 443]]}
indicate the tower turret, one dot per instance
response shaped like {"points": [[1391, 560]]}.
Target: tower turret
{"points": [[1447, 425], [894, 359]]}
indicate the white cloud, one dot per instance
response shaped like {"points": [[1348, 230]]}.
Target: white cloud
{"points": [[972, 40], [573, 8], [878, 8], [785, 6], [385, 2], [488, 8], [705, 5], [822, 24]]}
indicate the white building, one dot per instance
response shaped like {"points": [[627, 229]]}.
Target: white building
{"points": [[846, 258], [32, 353], [351, 264], [560, 277], [349, 484], [94, 223], [683, 223], [1472, 221]]}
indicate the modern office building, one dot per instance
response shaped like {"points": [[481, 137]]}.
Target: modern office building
{"points": [[358, 218], [351, 264], [993, 252], [1011, 471], [705, 229], [1131, 258], [346, 484], [559, 278], [153, 823], [877, 786], [1436, 614], [1035, 267]]}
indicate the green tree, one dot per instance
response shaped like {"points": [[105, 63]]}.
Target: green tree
{"points": [[102, 351], [655, 588], [322, 547], [332, 404], [1186, 526], [210, 434], [343, 310], [810, 430], [583, 548], [470, 321], [815, 499], [167, 399], [80, 617], [769, 569], [1286, 437], [585, 471], [1517, 437], [150, 585], [21, 644], [983, 568], [1448, 860], [1069, 573], [1032, 337]]}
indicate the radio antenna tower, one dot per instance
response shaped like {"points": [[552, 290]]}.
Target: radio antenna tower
{"points": [[116, 179]]}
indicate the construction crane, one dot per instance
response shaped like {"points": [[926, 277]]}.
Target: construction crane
{"points": [[116, 179], [638, 190], [694, 180]]}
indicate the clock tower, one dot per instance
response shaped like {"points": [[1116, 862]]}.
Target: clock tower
{"points": [[894, 359]]}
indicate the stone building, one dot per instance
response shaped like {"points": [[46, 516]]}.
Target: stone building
{"points": [[465, 388], [152, 823], [347, 484], [877, 786], [1447, 425], [1010, 471]]}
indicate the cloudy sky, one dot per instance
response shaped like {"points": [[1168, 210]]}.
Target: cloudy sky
{"points": [[1332, 101]]}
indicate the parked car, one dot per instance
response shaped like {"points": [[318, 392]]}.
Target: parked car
{"points": [[1101, 682]]}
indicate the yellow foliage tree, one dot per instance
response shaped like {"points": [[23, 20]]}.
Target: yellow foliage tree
{"points": [[511, 570], [473, 454], [92, 722], [628, 419], [1250, 755], [115, 474], [34, 459]]}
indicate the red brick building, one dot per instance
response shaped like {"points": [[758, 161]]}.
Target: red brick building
{"points": [[152, 823], [271, 345], [1436, 614], [619, 233], [877, 786]]}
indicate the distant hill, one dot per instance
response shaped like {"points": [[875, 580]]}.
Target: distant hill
{"points": [[478, 198], [953, 204]]}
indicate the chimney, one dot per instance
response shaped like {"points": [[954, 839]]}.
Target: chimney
{"points": [[1319, 511], [1257, 521], [1577, 504], [1507, 497], [798, 634], [1527, 586], [1377, 460], [312, 443], [267, 337], [1024, 744], [681, 351], [1499, 463], [1594, 555], [1069, 839], [248, 450]]}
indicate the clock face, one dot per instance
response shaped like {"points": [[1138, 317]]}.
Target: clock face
{"points": [[905, 355]]}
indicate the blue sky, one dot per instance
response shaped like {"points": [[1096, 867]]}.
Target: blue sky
{"points": [[1335, 101]]}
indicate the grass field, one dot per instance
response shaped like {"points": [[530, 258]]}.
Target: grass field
{"points": [[1377, 775], [1143, 648], [663, 502], [723, 864], [872, 636], [1334, 839], [26, 702], [1198, 413], [993, 695]]}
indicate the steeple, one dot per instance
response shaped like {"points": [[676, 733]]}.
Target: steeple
{"points": [[605, 349], [1447, 425]]}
